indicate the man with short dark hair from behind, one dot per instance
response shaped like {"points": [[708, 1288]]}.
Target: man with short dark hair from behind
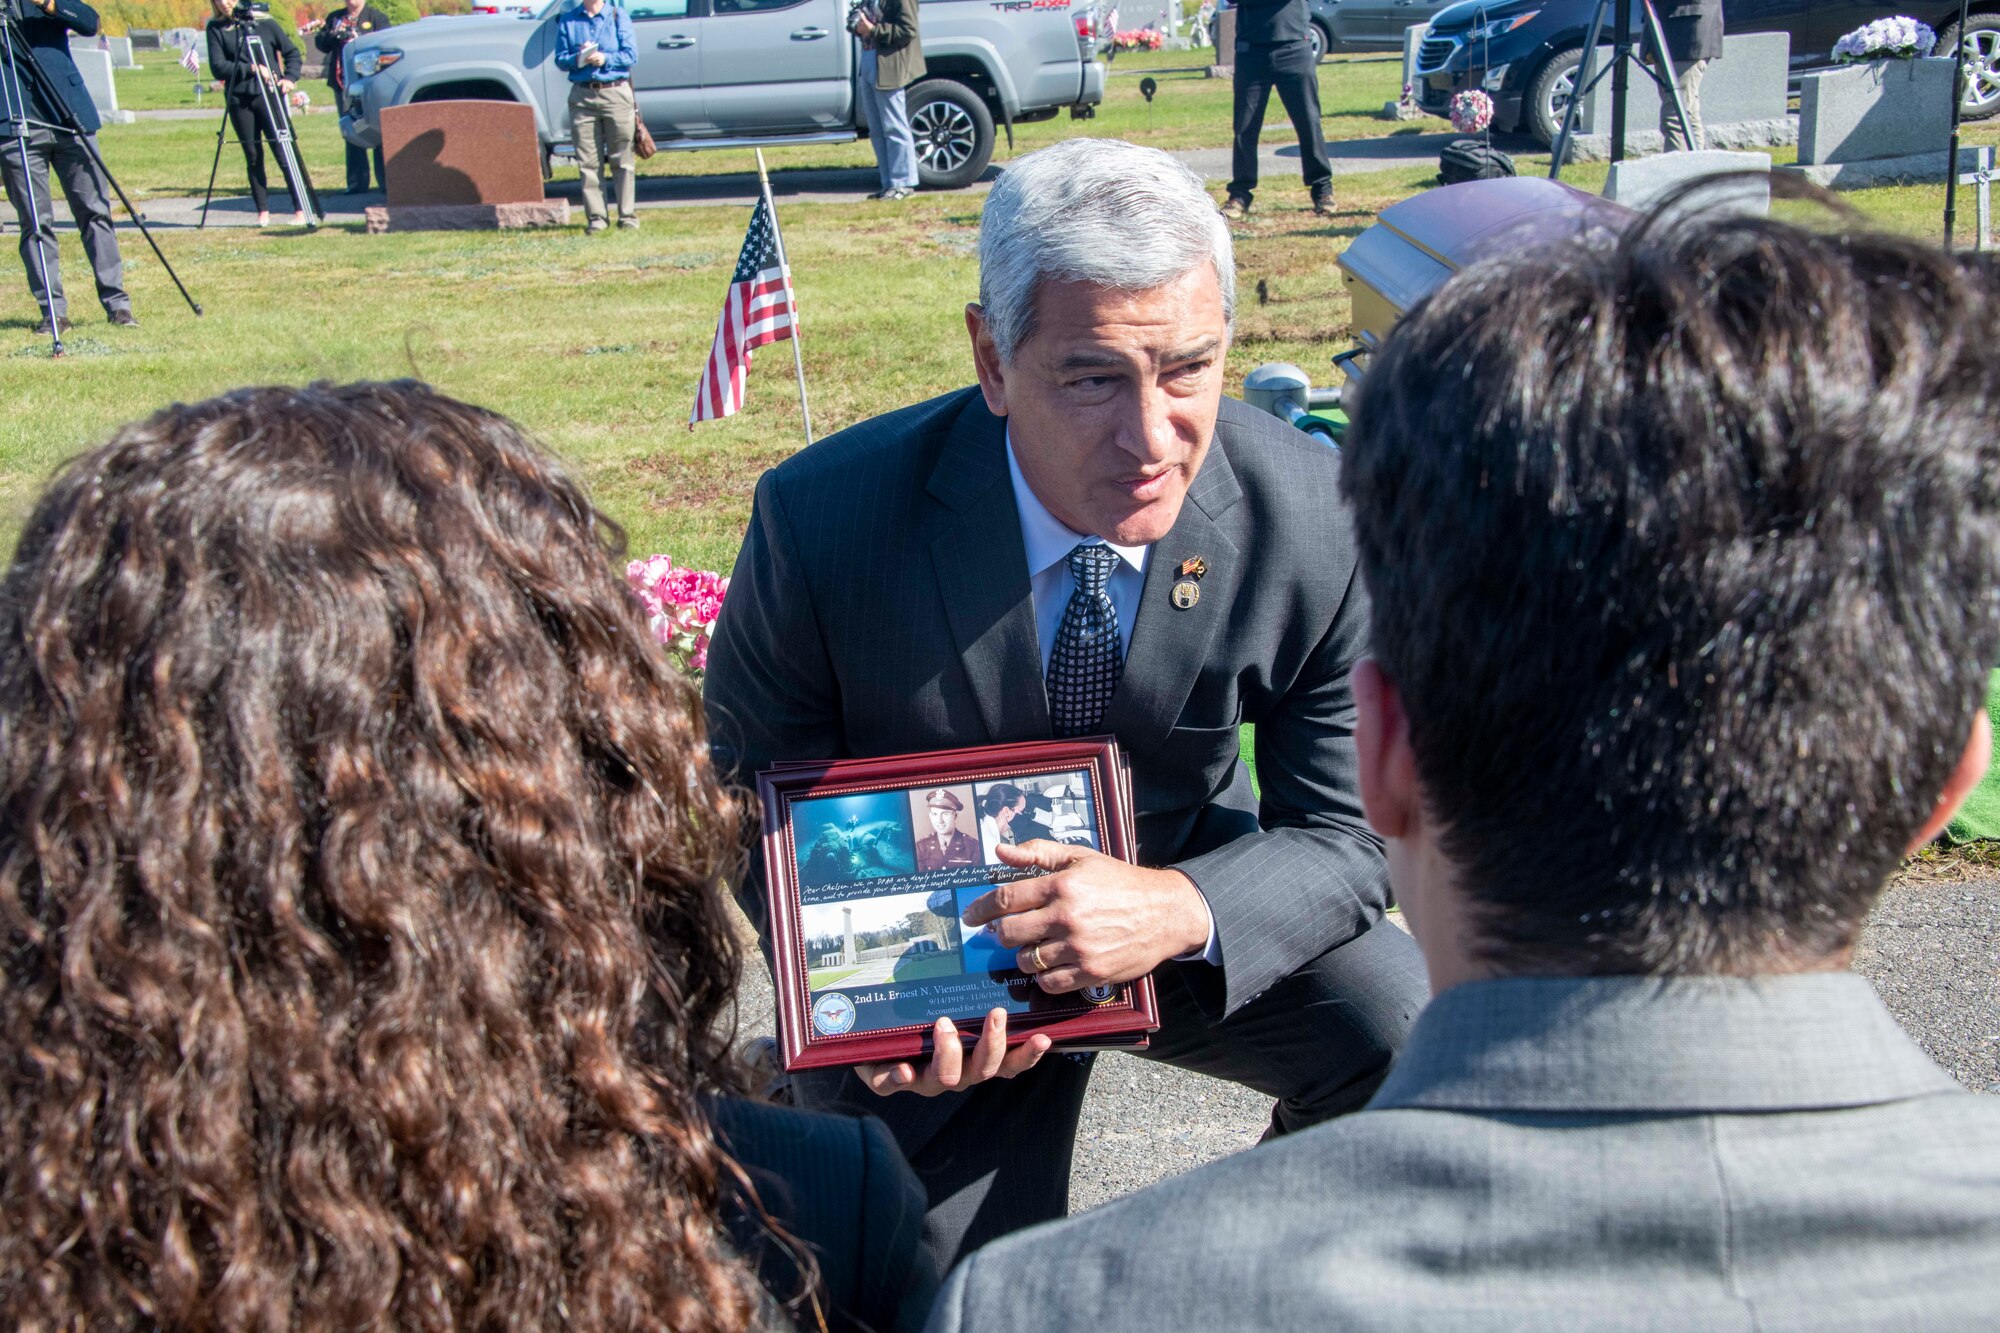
{"points": [[1684, 599]]}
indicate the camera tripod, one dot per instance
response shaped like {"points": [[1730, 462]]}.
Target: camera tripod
{"points": [[16, 57], [1660, 71], [278, 123]]}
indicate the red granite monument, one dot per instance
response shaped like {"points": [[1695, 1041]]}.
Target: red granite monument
{"points": [[463, 166]]}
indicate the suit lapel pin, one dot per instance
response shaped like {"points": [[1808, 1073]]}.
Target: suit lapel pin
{"points": [[1194, 567], [1186, 593]]}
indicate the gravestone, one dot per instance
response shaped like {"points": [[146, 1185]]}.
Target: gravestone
{"points": [[1885, 108], [1405, 106], [1225, 44], [1743, 102], [95, 67], [1639, 183], [463, 165], [121, 52], [182, 38], [145, 39]]}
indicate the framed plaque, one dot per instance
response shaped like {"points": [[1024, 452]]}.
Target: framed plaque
{"points": [[870, 865]]}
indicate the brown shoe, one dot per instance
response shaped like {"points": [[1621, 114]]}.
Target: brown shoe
{"points": [[1323, 200], [1236, 208], [125, 319], [45, 329]]}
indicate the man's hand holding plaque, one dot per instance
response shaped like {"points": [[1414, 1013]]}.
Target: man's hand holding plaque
{"points": [[1091, 920]]}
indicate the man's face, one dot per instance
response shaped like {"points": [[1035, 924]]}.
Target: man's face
{"points": [[1112, 401], [941, 820]]}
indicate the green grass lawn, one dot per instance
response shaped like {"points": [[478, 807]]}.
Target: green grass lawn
{"points": [[594, 344], [821, 978]]}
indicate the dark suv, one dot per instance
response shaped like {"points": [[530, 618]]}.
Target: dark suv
{"points": [[1526, 53]]}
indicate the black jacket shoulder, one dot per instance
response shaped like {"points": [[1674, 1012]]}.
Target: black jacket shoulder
{"points": [[839, 1185]]}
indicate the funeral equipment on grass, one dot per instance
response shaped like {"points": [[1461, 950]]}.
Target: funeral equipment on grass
{"points": [[1409, 252]]}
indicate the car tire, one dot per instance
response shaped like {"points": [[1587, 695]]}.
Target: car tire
{"points": [[1321, 41], [1548, 94], [954, 133], [1982, 67]]}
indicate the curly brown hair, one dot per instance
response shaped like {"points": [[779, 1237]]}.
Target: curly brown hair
{"points": [[359, 864]]}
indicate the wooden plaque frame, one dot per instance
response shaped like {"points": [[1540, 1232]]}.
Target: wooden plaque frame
{"points": [[1117, 1020]]}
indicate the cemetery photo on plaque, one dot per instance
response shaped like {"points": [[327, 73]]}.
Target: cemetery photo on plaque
{"points": [[870, 867]]}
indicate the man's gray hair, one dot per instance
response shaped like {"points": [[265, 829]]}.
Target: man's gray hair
{"points": [[1099, 211]]}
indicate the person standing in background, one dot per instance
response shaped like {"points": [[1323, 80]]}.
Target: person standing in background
{"points": [[230, 59], [47, 24], [331, 35], [892, 58], [1694, 38], [594, 44], [1274, 52]]}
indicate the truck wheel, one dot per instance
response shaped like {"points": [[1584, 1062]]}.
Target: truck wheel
{"points": [[1982, 64], [1549, 93], [954, 132]]}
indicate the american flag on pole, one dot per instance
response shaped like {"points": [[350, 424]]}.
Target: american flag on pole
{"points": [[190, 61], [759, 309]]}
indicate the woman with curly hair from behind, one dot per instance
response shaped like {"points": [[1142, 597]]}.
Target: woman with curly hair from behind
{"points": [[366, 964]]}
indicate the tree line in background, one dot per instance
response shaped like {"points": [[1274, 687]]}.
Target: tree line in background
{"points": [[121, 16]]}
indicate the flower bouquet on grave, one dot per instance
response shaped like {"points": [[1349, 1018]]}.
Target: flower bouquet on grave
{"points": [[1900, 38], [1471, 111], [681, 607]]}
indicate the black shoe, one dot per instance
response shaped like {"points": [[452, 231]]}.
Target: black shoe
{"points": [[125, 319], [1323, 200], [42, 330]]}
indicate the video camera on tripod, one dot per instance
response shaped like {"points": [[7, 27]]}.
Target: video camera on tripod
{"points": [[243, 21], [34, 114]]}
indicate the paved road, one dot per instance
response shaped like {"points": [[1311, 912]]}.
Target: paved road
{"points": [[1931, 948]]}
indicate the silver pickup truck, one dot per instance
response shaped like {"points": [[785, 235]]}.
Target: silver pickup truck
{"points": [[738, 73]]}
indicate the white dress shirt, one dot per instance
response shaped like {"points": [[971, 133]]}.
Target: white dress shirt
{"points": [[1049, 541]]}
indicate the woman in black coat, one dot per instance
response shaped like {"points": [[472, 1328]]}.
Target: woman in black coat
{"points": [[245, 86]]}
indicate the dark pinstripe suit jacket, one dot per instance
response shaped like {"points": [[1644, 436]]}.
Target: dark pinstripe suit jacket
{"points": [[881, 606]]}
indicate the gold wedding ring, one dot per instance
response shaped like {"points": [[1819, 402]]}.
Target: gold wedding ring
{"points": [[1035, 958]]}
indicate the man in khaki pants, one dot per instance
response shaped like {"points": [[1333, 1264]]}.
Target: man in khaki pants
{"points": [[594, 43]]}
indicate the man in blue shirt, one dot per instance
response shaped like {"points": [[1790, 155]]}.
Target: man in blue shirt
{"points": [[594, 43]]}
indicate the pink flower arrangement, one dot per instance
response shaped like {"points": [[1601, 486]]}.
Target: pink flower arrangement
{"points": [[1139, 39], [1471, 111], [681, 606]]}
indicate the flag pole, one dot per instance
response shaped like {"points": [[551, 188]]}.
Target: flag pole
{"points": [[778, 236]]}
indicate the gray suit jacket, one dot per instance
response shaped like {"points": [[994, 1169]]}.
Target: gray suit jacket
{"points": [[1565, 1153], [881, 606]]}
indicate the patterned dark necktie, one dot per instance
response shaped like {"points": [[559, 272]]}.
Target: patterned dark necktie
{"points": [[1084, 666]]}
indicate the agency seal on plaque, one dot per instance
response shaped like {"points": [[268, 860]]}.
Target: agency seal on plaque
{"points": [[833, 1014], [1100, 994]]}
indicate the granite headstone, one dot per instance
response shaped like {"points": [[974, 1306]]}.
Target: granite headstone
{"points": [[121, 52], [94, 65], [463, 165], [1743, 101], [1885, 108], [1640, 183], [461, 152]]}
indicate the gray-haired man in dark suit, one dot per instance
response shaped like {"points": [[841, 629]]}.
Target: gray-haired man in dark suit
{"points": [[1091, 541], [1684, 602]]}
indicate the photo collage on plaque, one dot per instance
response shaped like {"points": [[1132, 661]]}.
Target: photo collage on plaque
{"points": [[884, 878]]}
